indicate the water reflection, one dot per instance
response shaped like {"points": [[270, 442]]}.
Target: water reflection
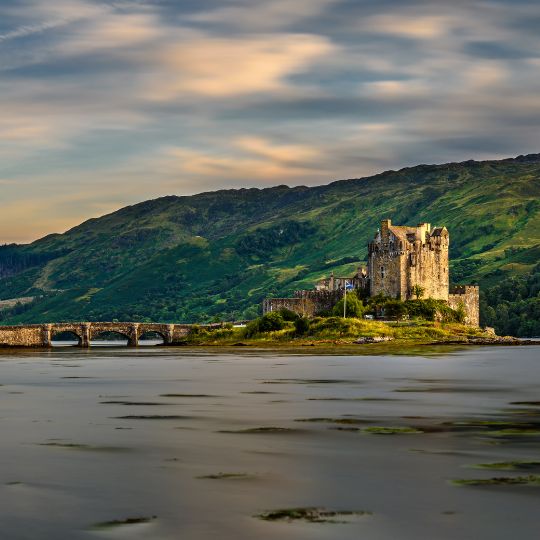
{"points": [[106, 343]]}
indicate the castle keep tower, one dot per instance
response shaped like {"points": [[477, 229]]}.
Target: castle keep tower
{"points": [[401, 258]]}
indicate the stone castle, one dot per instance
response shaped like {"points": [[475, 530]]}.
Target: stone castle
{"points": [[402, 261]]}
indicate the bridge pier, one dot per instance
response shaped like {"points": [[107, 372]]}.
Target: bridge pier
{"points": [[168, 338], [84, 340], [47, 335], [133, 336]]}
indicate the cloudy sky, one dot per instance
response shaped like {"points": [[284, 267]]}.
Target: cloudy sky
{"points": [[103, 104]]}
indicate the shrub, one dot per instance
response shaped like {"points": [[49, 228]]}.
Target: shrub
{"points": [[423, 309], [271, 321], [288, 315], [267, 323], [395, 309], [197, 331], [301, 326], [353, 307], [252, 328]]}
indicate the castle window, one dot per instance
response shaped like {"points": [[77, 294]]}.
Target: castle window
{"points": [[383, 272]]}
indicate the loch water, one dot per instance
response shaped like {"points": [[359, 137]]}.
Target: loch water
{"points": [[177, 443]]}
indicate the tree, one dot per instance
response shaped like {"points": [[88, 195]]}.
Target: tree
{"points": [[288, 315], [267, 323], [395, 309], [301, 326], [354, 307], [418, 291]]}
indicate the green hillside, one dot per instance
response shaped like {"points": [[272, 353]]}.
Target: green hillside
{"points": [[217, 255]]}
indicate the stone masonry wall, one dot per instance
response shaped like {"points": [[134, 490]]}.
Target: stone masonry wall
{"points": [[428, 267], [41, 335], [387, 275], [301, 306], [320, 301], [24, 336], [305, 303], [467, 296]]}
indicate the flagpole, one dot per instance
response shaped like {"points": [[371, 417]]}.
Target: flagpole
{"points": [[345, 301]]}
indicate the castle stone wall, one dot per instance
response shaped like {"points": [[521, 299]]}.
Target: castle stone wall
{"points": [[387, 273], [321, 301], [305, 303], [467, 296], [301, 306], [428, 267]]}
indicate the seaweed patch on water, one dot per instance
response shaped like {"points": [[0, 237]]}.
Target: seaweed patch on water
{"points": [[383, 430], [523, 412], [489, 423], [152, 417], [450, 389], [86, 447], [530, 480], [514, 432], [510, 465], [259, 392], [440, 452], [189, 395], [119, 522], [269, 429], [495, 428], [349, 421], [225, 476], [530, 403], [310, 381], [312, 515], [351, 399], [148, 403]]}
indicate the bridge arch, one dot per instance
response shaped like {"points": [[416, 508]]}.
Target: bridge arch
{"points": [[155, 336], [110, 336], [65, 338], [127, 331]]}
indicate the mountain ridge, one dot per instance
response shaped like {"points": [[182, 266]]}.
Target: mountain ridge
{"points": [[522, 158]]}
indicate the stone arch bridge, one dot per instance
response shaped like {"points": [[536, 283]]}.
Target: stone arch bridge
{"points": [[42, 335]]}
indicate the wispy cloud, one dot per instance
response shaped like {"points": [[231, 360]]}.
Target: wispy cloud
{"points": [[104, 103], [263, 15], [230, 66]]}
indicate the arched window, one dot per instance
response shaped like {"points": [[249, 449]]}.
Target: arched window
{"points": [[383, 272]]}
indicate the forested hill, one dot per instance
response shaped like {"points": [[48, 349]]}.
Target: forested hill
{"points": [[217, 255]]}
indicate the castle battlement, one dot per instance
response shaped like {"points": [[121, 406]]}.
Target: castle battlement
{"points": [[464, 289]]}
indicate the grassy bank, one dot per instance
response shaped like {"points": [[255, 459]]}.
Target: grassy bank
{"points": [[336, 331]]}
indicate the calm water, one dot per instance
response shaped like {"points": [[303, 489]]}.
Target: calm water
{"points": [[75, 452]]}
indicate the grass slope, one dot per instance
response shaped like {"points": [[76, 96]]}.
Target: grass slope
{"points": [[217, 255]]}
